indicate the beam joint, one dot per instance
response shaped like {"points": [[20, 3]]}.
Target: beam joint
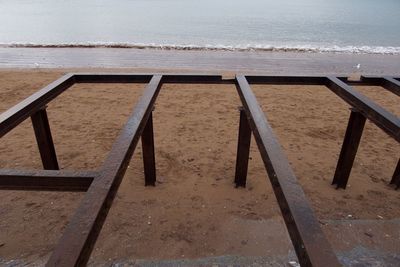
{"points": [[21, 111], [392, 85], [382, 118]]}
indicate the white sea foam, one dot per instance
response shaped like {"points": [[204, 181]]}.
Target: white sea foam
{"points": [[391, 50]]}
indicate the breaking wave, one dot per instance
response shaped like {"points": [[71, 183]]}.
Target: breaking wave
{"points": [[390, 50]]}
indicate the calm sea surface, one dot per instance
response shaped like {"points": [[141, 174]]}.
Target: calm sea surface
{"points": [[368, 26]]}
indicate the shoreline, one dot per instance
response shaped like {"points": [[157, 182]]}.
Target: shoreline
{"points": [[268, 63], [333, 49]]}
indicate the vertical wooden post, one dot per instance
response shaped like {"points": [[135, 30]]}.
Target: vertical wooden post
{"points": [[348, 153], [243, 150], [149, 160], [44, 140], [396, 176]]}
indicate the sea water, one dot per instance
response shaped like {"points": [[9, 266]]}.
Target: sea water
{"points": [[354, 26]]}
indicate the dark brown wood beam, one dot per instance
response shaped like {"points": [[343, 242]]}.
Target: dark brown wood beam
{"points": [[243, 150], [349, 149], [311, 246], [46, 180], [396, 176], [149, 159], [76, 244], [372, 111], [44, 140], [24, 109]]}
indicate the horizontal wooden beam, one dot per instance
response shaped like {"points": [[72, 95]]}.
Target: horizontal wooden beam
{"points": [[111, 77], [46, 180], [145, 78], [286, 80], [390, 83], [196, 78]]}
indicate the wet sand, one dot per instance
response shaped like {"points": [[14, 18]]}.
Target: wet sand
{"points": [[194, 211], [284, 63]]}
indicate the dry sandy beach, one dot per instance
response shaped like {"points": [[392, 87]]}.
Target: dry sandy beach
{"points": [[194, 211]]}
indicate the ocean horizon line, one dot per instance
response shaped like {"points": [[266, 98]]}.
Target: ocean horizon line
{"points": [[384, 50]]}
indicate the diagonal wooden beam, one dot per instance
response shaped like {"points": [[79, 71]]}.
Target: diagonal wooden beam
{"points": [[372, 111], [312, 247], [81, 233], [46, 180], [391, 84], [18, 113]]}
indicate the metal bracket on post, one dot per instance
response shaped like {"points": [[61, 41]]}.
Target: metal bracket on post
{"points": [[350, 145], [396, 176], [243, 150], [149, 160], [44, 139]]}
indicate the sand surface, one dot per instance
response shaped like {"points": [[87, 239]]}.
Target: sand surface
{"points": [[194, 211]]}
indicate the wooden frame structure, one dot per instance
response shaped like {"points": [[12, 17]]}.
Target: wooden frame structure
{"points": [[80, 235]]}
